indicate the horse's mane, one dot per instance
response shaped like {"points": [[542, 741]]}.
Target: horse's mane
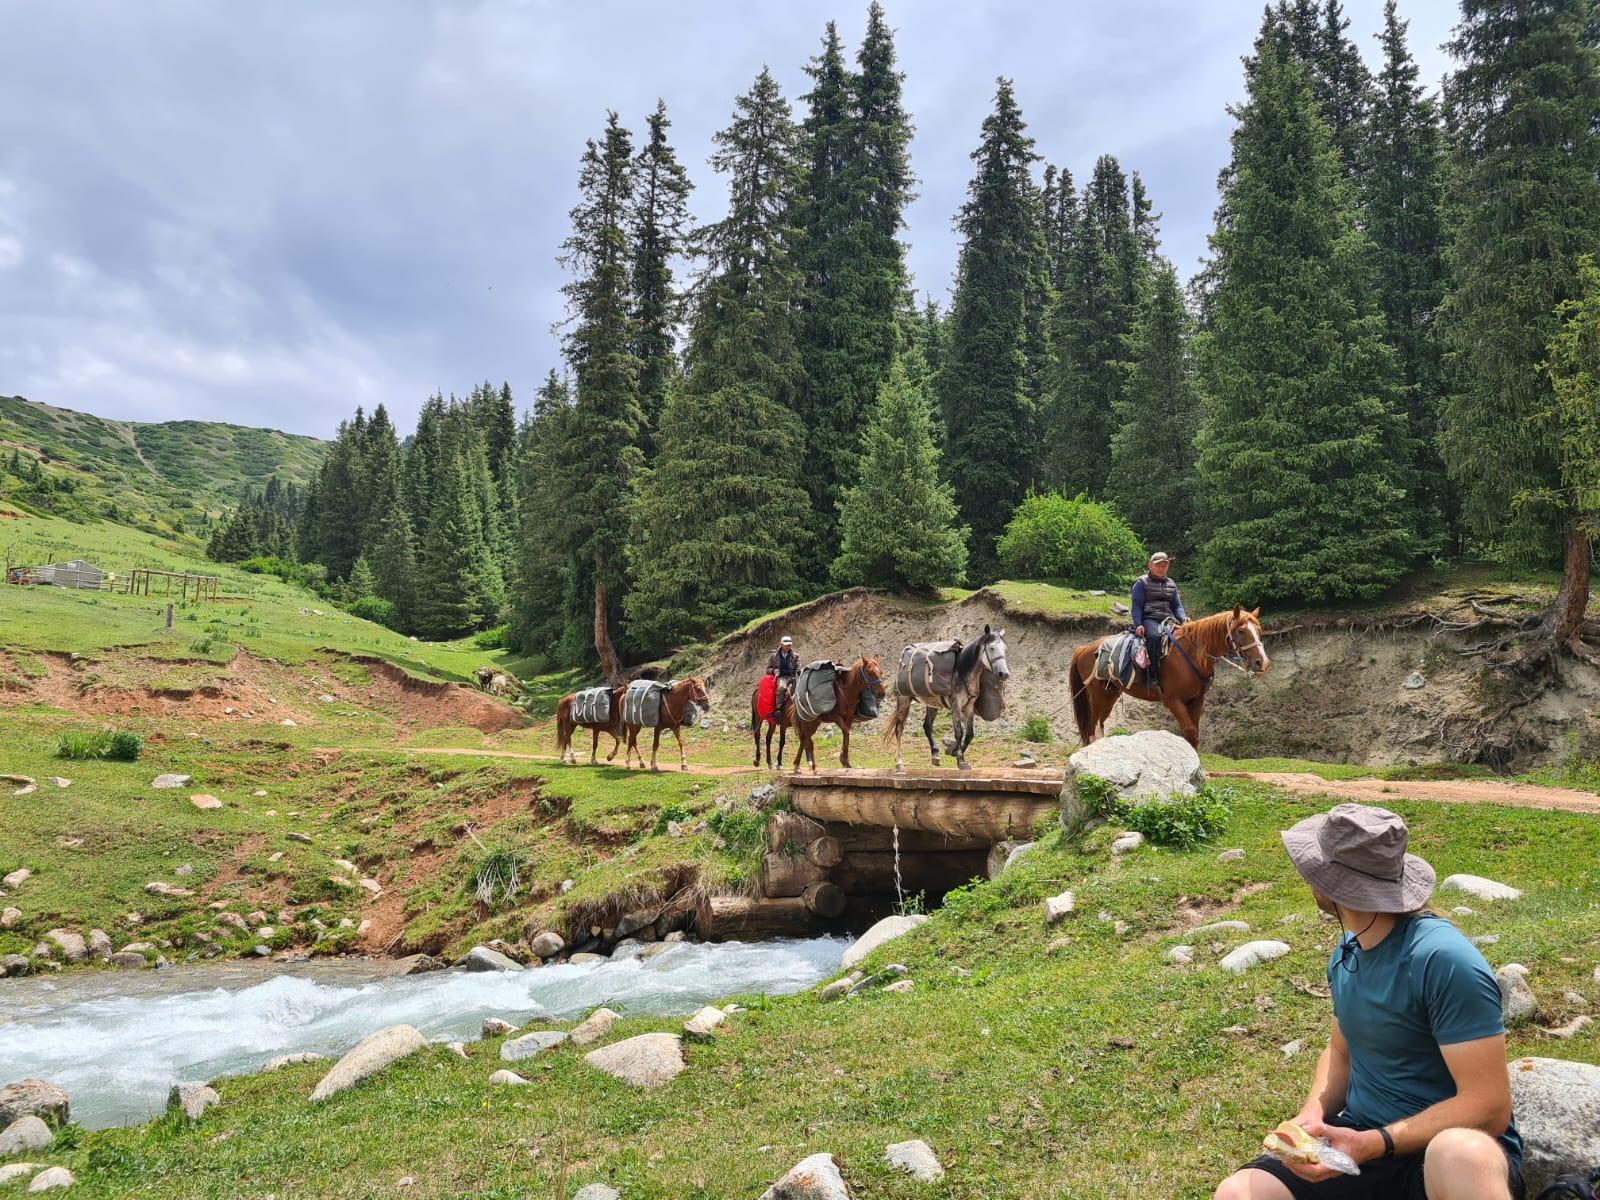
{"points": [[1207, 633], [967, 656]]}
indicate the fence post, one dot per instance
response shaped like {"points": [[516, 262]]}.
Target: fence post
{"points": [[169, 614]]}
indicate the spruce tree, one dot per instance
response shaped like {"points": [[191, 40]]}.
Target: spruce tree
{"points": [[721, 523], [1152, 482], [394, 565], [1403, 184], [661, 231], [603, 439], [1301, 444], [552, 615], [898, 523], [450, 594], [362, 582], [988, 419], [1525, 204]]}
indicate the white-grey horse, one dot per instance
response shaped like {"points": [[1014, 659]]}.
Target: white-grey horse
{"points": [[984, 659]]}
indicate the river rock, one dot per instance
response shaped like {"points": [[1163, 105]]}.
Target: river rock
{"points": [[24, 1134], [1234, 855], [51, 1178], [127, 960], [1480, 888], [14, 966], [17, 878], [158, 888], [1252, 953], [170, 781], [34, 1097], [10, 917], [507, 1078], [593, 1027], [530, 1044], [1557, 1106], [586, 958], [1181, 954], [497, 1027], [883, 932], [1224, 927], [289, 1060], [1150, 765], [371, 1055], [647, 1060], [547, 943], [481, 958], [1517, 1001], [192, 1099], [12, 1172], [1125, 842], [70, 944], [702, 1026], [915, 1158], [839, 987], [631, 923], [814, 1178]]}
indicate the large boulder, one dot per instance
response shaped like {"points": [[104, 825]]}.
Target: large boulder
{"points": [[1557, 1109], [814, 1178], [24, 1134], [481, 958], [883, 932], [34, 1097], [371, 1055], [70, 944], [648, 1060], [1138, 767]]}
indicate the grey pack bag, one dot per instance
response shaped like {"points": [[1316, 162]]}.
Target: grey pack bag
{"points": [[813, 694], [641, 703], [991, 698], [592, 706], [928, 670]]}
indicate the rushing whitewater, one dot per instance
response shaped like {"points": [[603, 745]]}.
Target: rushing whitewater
{"points": [[118, 1041]]}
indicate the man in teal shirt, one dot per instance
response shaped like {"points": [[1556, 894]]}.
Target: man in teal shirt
{"points": [[1413, 1084]]}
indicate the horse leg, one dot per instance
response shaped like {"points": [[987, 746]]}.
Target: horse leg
{"points": [[755, 730], [683, 757], [844, 751], [1186, 726], [1195, 707], [655, 746], [594, 747], [902, 708], [927, 732], [616, 744]]}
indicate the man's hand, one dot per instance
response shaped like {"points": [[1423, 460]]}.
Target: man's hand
{"points": [[1140, 631], [1363, 1145]]}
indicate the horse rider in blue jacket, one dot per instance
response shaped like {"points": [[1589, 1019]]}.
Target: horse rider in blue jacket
{"points": [[1156, 605]]}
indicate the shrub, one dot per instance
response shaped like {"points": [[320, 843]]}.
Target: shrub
{"points": [[1078, 541], [671, 812], [1036, 728], [491, 639], [375, 609], [115, 745], [1179, 821], [498, 873]]}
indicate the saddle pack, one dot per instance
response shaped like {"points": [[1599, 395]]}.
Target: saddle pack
{"points": [[592, 706], [813, 692], [641, 703], [766, 697], [1114, 659], [928, 671]]}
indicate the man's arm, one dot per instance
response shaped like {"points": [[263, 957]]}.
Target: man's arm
{"points": [[1138, 603], [1328, 1083], [1177, 606]]}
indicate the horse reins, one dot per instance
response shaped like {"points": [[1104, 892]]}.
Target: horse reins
{"points": [[1235, 660]]}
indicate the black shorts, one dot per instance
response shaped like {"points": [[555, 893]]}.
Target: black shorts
{"points": [[1398, 1178]]}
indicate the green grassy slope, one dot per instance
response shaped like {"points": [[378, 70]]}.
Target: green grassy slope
{"points": [[153, 476]]}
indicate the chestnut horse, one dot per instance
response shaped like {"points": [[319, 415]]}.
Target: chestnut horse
{"points": [[1185, 673], [778, 718], [675, 703], [865, 676], [566, 727]]}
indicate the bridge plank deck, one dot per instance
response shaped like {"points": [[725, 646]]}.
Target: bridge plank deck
{"points": [[1014, 779]]}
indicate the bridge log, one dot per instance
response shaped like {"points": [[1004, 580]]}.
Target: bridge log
{"points": [[871, 871], [825, 852], [874, 837], [992, 817], [786, 829], [789, 874], [742, 918], [824, 899]]}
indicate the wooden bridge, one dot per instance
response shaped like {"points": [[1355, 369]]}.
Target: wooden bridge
{"points": [[857, 844]]}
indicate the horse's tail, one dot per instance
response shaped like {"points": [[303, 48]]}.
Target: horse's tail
{"points": [[565, 725], [1081, 711]]}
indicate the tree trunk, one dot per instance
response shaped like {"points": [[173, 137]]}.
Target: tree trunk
{"points": [[610, 665], [1572, 601], [791, 831], [741, 918], [824, 899]]}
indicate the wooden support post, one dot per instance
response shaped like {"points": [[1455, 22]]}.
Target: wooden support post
{"points": [[824, 899], [742, 918], [791, 831]]}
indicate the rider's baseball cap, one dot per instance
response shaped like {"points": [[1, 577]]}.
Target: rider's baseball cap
{"points": [[786, 640], [1160, 556]]}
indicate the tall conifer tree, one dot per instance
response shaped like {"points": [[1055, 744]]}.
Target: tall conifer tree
{"points": [[987, 415], [661, 228], [1301, 445]]}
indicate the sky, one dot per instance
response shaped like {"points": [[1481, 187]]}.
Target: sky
{"points": [[272, 213]]}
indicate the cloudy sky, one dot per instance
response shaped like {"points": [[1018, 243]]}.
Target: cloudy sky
{"points": [[270, 213]]}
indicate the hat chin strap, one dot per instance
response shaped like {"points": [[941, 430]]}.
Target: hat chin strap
{"points": [[1346, 957]]}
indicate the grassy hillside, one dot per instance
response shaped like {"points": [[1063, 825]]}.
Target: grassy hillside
{"points": [[158, 477]]}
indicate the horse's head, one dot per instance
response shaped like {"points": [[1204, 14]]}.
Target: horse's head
{"points": [[697, 691], [871, 676], [992, 653], [1244, 639]]}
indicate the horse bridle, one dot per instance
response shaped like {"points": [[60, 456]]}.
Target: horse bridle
{"points": [[989, 658], [1236, 659]]}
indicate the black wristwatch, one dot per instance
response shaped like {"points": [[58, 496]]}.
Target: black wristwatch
{"points": [[1388, 1141]]}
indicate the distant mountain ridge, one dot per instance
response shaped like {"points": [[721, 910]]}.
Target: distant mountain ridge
{"points": [[168, 476]]}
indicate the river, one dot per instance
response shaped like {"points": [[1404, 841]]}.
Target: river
{"points": [[118, 1040]]}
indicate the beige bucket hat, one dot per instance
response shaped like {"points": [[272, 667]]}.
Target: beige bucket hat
{"points": [[1355, 855]]}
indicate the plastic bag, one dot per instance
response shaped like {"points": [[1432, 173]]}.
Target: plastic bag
{"points": [[1320, 1150]]}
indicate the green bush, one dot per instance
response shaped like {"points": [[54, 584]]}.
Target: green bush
{"points": [[671, 812], [1182, 822], [491, 639], [1079, 541], [375, 609], [1036, 728], [115, 745]]}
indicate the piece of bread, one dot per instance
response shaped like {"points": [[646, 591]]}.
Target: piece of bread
{"points": [[1292, 1144]]}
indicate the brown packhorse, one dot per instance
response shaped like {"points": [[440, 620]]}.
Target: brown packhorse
{"points": [[1185, 673], [847, 690], [778, 719], [566, 727], [674, 715]]}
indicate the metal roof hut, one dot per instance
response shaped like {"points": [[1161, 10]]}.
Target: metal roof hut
{"points": [[73, 574]]}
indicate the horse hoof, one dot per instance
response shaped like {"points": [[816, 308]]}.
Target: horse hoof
{"points": [[965, 766]]}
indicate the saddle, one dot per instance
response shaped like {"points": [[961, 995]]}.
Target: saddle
{"points": [[814, 696], [928, 670], [1114, 660], [767, 697]]}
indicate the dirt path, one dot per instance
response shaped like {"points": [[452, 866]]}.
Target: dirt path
{"points": [[1447, 791], [466, 752]]}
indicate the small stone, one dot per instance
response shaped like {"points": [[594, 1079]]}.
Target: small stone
{"points": [[900, 985], [206, 802], [1234, 855], [531, 1044], [916, 1159], [507, 1078], [275, 856], [1461, 910], [184, 871], [100, 944], [70, 944], [593, 1027], [481, 958], [585, 958], [60, 782], [373, 886], [14, 966], [1479, 887], [295, 836], [12, 1172], [1517, 1001], [24, 1134], [1575, 999], [1572, 1028], [702, 1026], [1120, 928], [289, 723], [170, 781], [814, 1178], [192, 1099], [1224, 927], [289, 1060], [10, 917], [371, 1055], [233, 920], [1054, 945], [259, 792], [17, 878], [547, 943], [1058, 908], [1252, 953], [1126, 842], [261, 951], [497, 1027], [51, 1178], [1181, 954], [597, 1191], [839, 987], [406, 1181], [325, 698], [1290, 1049], [1486, 939], [1415, 680], [647, 1060], [459, 1049]]}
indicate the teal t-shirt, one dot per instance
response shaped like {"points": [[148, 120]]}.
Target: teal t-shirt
{"points": [[1422, 987]]}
